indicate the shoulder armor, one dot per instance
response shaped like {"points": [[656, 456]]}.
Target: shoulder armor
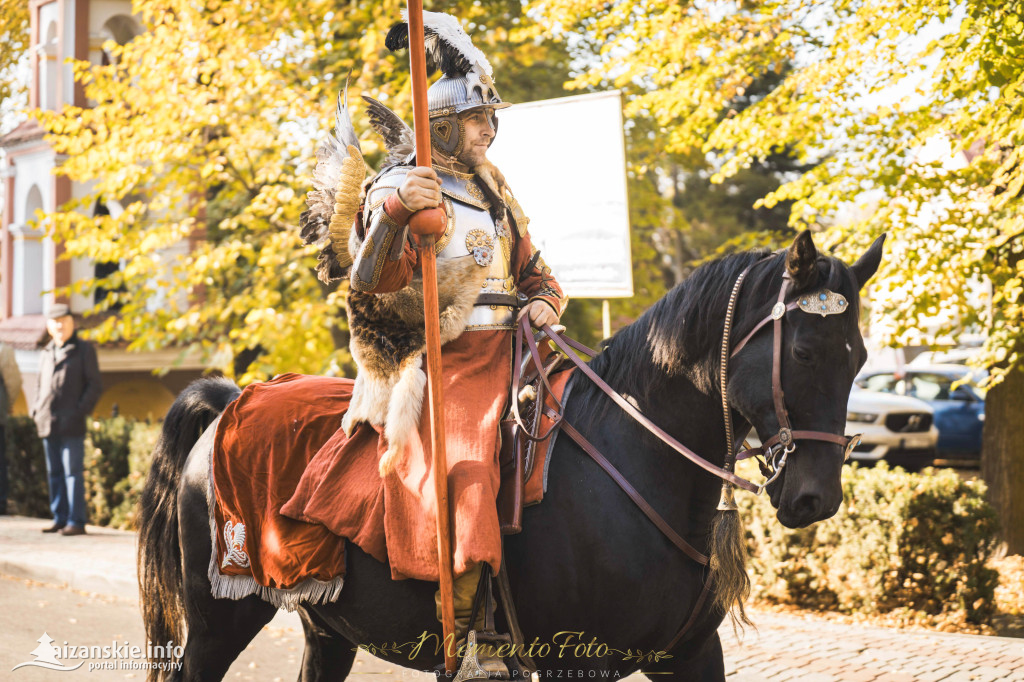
{"points": [[518, 216], [383, 186], [461, 187]]}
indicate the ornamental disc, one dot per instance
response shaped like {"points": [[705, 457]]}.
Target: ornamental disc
{"points": [[481, 245]]}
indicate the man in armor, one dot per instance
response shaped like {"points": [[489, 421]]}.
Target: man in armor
{"points": [[489, 274]]}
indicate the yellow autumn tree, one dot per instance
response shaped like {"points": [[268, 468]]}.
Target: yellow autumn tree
{"points": [[910, 118], [14, 39], [202, 130]]}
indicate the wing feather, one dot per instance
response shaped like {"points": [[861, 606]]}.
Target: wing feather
{"points": [[399, 139], [334, 200]]}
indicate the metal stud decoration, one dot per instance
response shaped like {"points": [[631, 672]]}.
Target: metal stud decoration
{"points": [[823, 303]]}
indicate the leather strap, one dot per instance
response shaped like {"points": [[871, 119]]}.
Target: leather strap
{"points": [[652, 515], [704, 594], [620, 480], [768, 318], [497, 299], [523, 330], [777, 395], [512, 618], [647, 423]]}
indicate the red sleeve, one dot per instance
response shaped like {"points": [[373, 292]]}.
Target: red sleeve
{"points": [[534, 277]]}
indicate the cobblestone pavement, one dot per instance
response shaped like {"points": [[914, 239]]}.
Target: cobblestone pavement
{"points": [[811, 649], [784, 647]]}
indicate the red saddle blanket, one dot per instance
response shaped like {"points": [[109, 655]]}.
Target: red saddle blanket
{"points": [[264, 453]]}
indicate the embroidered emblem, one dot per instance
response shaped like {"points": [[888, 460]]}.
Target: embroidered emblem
{"points": [[474, 191], [823, 303], [481, 245], [443, 129], [234, 539]]}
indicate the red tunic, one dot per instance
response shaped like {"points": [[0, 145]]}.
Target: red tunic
{"points": [[476, 376]]}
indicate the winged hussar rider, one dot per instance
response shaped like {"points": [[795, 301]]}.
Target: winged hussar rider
{"points": [[488, 271]]}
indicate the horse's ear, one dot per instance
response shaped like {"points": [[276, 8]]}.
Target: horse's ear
{"points": [[867, 264], [800, 261]]}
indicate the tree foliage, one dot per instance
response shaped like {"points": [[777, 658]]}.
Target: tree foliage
{"points": [[202, 129], [906, 114], [15, 38]]}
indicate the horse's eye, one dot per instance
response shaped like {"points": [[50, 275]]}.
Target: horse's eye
{"points": [[802, 355]]}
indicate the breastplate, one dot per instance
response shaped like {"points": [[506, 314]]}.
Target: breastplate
{"points": [[472, 232]]}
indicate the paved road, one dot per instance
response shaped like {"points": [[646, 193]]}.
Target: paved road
{"points": [[785, 648]]}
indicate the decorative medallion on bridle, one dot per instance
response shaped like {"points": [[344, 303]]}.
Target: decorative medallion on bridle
{"points": [[823, 303]]}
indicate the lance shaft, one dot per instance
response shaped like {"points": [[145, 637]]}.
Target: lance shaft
{"points": [[428, 263]]}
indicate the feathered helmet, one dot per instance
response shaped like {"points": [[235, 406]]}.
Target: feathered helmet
{"points": [[466, 82]]}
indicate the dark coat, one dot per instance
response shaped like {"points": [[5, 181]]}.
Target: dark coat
{"points": [[69, 387]]}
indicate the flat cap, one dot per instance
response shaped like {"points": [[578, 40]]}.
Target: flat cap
{"points": [[58, 310]]}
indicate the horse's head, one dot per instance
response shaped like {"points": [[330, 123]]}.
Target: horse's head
{"points": [[818, 357]]}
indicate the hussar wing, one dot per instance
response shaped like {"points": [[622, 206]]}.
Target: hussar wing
{"points": [[334, 200], [398, 137]]}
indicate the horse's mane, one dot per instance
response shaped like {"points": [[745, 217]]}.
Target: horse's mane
{"points": [[681, 333]]}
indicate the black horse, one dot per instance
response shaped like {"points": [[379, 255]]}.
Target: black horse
{"points": [[588, 567]]}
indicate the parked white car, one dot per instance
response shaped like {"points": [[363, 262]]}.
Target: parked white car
{"points": [[896, 428]]}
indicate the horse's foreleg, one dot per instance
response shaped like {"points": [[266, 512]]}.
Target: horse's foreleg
{"points": [[328, 655], [707, 665]]}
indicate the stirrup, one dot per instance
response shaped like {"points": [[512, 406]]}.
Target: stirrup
{"points": [[481, 661]]}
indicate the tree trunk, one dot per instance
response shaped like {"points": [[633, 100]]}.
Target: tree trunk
{"points": [[1002, 456]]}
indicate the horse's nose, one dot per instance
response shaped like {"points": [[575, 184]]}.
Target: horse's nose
{"points": [[807, 508]]}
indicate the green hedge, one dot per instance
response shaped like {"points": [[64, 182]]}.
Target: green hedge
{"points": [[26, 470], [117, 456], [901, 541]]}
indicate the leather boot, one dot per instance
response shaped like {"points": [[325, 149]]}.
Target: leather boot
{"points": [[464, 588]]}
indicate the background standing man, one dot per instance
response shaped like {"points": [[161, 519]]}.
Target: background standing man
{"points": [[10, 389], [69, 386]]}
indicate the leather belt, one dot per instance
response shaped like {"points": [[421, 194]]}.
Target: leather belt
{"points": [[497, 299]]}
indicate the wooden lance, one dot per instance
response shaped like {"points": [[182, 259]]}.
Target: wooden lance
{"points": [[427, 224]]}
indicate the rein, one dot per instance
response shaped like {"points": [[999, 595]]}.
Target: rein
{"points": [[823, 303]]}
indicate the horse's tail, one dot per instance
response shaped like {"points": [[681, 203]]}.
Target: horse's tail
{"points": [[159, 554]]}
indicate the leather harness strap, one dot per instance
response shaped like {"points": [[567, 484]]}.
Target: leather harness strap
{"points": [[621, 481], [778, 312], [640, 417], [694, 614]]}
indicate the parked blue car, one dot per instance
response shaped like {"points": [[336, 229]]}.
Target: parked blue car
{"points": [[959, 411]]}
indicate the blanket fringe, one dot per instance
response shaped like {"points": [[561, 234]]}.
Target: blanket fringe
{"points": [[310, 591]]}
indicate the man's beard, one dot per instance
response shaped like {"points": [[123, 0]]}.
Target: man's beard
{"points": [[472, 159]]}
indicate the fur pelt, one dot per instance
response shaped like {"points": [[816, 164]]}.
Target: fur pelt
{"points": [[388, 342]]}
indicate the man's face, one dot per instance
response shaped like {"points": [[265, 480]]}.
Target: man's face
{"points": [[61, 328], [479, 125]]}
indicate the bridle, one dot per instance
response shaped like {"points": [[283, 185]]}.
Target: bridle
{"points": [[822, 302]]}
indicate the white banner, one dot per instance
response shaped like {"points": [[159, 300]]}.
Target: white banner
{"points": [[565, 161]]}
